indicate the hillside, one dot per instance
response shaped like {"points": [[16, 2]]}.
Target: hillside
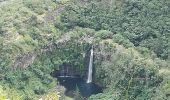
{"points": [[123, 45]]}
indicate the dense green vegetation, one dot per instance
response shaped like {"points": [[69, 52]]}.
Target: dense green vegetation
{"points": [[144, 22], [131, 40], [23, 32]]}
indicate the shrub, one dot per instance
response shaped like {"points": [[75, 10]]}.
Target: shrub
{"points": [[39, 90], [103, 34]]}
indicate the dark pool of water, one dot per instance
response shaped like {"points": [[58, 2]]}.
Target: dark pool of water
{"points": [[71, 84]]}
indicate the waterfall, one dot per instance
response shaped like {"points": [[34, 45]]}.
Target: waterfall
{"points": [[90, 69]]}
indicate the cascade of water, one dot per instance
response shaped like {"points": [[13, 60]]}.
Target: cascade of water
{"points": [[90, 69]]}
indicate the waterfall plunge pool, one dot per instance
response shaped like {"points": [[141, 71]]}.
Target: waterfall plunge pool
{"points": [[73, 84]]}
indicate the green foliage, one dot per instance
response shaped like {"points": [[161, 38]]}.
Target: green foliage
{"points": [[52, 96], [125, 34], [3, 94], [36, 5], [143, 22], [23, 28], [23, 31], [126, 74], [103, 34], [39, 90], [118, 38], [103, 96]]}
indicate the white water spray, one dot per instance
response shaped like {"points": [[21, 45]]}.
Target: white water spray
{"points": [[90, 70]]}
